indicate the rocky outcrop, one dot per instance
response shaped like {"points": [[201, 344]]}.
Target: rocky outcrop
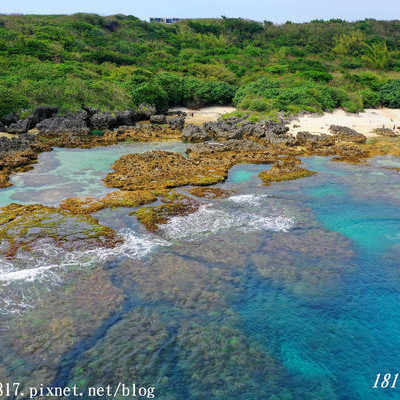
{"points": [[112, 26], [119, 198], [266, 131], [9, 119], [88, 118], [194, 133], [104, 120], [71, 124], [386, 132], [18, 143], [306, 138], [176, 123], [158, 119], [44, 112], [21, 126], [161, 170], [347, 134], [224, 129], [177, 113], [265, 128], [17, 154], [285, 170], [126, 118], [229, 145]]}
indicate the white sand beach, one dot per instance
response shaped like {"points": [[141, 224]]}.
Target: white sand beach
{"points": [[205, 114], [364, 122]]}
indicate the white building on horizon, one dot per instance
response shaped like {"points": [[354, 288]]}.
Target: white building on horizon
{"points": [[165, 20]]}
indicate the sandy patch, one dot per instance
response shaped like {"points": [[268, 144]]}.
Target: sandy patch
{"points": [[9, 135], [364, 122], [205, 114]]}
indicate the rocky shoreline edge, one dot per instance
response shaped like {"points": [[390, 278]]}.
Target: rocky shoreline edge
{"points": [[89, 127], [141, 179]]}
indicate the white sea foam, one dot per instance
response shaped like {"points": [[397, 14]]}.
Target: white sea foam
{"points": [[49, 258], [133, 246], [25, 274], [252, 199], [210, 220], [20, 283]]}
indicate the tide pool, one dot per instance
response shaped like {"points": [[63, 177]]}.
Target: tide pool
{"points": [[64, 173]]}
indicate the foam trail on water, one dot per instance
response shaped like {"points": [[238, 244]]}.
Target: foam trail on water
{"points": [[48, 258], [244, 214], [251, 199]]}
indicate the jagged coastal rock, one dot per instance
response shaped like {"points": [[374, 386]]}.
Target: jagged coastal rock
{"points": [[307, 138], [229, 145], [41, 113], [67, 124], [17, 154], [158, 119], [347, 134], [194, 133], [176, 123], [266, 131], [46, 120], [21, 126]]}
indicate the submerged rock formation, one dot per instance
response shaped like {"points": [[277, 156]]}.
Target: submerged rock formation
{"points": [[209, 192], [174, 204], [49, 224]]}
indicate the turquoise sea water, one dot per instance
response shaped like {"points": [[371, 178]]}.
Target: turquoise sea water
{"points": [[63, 173], [287, 291]]}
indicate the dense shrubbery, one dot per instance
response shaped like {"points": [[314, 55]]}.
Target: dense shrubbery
{"points": [[120, 61], [266, 95], [166, 90], [390, 94]]}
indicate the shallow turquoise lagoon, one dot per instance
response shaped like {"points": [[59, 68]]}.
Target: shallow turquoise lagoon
{"points": [[63, 173], [283, 292]]}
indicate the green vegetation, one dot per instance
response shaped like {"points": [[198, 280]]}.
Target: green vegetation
{"points": [[118, 62]]}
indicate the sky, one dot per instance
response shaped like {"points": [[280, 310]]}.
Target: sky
{"points": [[277, 11]]}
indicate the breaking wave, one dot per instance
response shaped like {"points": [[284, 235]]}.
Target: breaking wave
{"points": [[48, 258], [241, 212]]}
